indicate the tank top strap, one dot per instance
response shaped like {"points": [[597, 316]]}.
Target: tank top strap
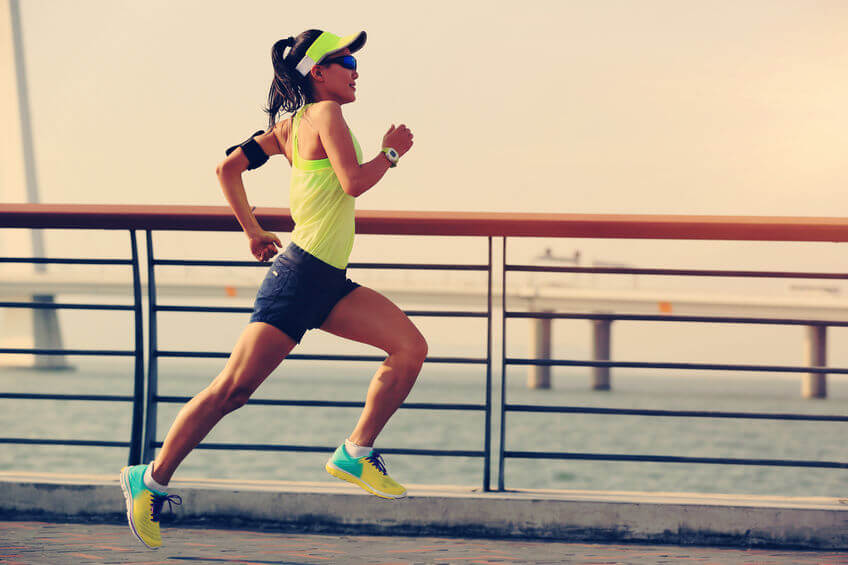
{"points": [[295, 123], [297, 160], [314, 164]]}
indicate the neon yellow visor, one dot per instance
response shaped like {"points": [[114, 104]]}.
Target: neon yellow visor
{"points": [[327, 44]]}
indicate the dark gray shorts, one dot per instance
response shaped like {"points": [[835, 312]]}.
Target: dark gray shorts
{"points": [[299, 292]]}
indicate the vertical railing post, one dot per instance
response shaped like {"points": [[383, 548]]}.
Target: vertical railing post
{"points": [[601, 335], [149, 451], [814, 385], [138, 386], [487, 449], [502, 424], [539, 376]]}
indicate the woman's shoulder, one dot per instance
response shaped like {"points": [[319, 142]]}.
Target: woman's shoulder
{"points": [[323, 106], [273, 140], [281, 134], [324, 110]]}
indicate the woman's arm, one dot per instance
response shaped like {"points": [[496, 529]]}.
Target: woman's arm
{"points": [[263, 244], [335, 137]]}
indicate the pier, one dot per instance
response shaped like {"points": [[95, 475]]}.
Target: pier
{"points": [[465, 512], [490, 508]]}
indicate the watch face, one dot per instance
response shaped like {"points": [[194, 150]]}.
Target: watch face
{"points": [[393, 154]]}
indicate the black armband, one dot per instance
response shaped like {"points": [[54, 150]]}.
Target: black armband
{"points": [[256, 156]]}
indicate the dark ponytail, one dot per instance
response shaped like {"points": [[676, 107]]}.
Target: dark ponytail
{"points": [[289, 89]]}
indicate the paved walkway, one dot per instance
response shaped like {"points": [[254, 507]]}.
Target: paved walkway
{"points": [[48, 543]]}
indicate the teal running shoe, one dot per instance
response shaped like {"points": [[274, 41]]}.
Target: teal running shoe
{"points": [[144, 505], [367, 472]]}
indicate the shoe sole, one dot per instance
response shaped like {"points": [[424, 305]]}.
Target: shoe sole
{"points": [[125, 488], [345, 476]]}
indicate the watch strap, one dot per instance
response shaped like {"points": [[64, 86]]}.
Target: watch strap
{"points": [[392, 155]]}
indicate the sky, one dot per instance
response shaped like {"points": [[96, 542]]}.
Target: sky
{"points": [[610, 107], [656, 106]]}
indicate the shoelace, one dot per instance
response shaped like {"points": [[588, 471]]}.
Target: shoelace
{"points": [[160, 500], [377, 460]]}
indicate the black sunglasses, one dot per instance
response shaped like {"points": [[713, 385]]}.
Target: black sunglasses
{"points": [[347, 61]]}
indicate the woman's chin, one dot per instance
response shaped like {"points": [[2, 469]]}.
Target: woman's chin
{"points": [[346, 98]]}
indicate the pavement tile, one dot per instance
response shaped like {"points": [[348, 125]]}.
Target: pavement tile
{"points": [[57, 543]]}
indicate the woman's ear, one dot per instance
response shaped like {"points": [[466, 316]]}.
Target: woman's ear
{"points": [[316, 73]]}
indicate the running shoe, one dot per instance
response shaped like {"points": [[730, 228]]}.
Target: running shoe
{"points": [[368, 472], [144, 505]]}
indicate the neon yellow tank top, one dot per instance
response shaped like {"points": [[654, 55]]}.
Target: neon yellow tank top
{"points": [[323, 213]]}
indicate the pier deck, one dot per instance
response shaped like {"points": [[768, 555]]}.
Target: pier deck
{"points": [[48, 543], [443, 511]]}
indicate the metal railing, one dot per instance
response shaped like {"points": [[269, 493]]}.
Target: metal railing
{"points": [[505, 406], [150, 219], [137, 398], [153, 398]]}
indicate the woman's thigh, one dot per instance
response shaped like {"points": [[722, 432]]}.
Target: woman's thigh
{"points": [[367, 316], [258, 351]]}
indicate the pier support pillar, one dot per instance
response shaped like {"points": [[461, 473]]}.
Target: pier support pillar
{"points": [[48, 335], [23, 328], [539, 376], [601, 336], [814, 385]]}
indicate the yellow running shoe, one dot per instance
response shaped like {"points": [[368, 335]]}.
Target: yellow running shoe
{"points": [[144, 505], [368, 472]]}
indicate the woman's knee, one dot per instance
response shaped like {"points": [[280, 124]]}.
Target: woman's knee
{"points": [[228, 396], [412, 352], [418, 348], [235, 400]]}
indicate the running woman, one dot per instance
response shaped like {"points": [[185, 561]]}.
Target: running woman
{"points": [[306, 287]]}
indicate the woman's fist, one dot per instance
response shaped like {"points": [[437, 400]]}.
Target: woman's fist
{"points": [[264, 245], [398, 138]]}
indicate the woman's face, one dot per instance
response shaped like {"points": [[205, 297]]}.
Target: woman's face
{"points": [[337, 82]]}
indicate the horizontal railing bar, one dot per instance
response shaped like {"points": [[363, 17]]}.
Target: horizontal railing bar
{"points": [[336, 403], [66, 306], [674, 459], [674, 413], [446, 313], [676, 272], [436, 452], [79, 442], [671, 318], [210, 263], [323, 449], [207, 309], [398, 266], [65, 261], [247, 310], [309, 357], [197, 354], [109, 352], [419, 267], [685, 366], [438, 223], [448, 360], [85, 397]]}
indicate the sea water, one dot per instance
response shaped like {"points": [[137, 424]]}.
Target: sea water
{"points": [[453, 430]]}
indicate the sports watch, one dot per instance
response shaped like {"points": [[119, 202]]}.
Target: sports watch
{"points": [[392, 155]]}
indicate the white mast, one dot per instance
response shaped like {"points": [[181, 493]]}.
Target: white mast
{"points": [[21, 328]]}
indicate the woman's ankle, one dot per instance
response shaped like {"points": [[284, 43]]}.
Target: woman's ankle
{"points": [[151, 480]]}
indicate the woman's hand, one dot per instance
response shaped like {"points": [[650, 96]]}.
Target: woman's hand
{"points": [[398, 138], [264, 244]]}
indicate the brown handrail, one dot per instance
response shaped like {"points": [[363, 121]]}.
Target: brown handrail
{"points": [[616, 226]]}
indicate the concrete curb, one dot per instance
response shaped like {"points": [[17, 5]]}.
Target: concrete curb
{"points": [[683, 519]]}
